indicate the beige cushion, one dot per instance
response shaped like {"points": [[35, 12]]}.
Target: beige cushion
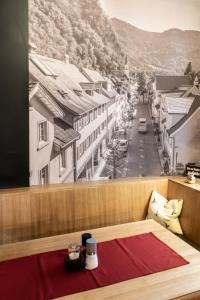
{"points": [[165, 212]]}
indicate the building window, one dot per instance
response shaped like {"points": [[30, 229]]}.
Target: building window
{"points": [[95, 113], [77, 92], [81, 150], [44, 175], [87, 142], [63, 159], [80, 124], [90, 92], [88, 118], [109, 118], [94, 136], [91, 116], [43, 132]]}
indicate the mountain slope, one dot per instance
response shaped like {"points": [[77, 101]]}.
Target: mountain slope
{"points": [[166, 52], [78, 28]]}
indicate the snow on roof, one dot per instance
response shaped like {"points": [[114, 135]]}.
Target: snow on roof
{"points": [[180, 105], [194, 107]]}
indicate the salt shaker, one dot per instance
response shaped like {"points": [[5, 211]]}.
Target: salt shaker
{"points": [[91, 254]]}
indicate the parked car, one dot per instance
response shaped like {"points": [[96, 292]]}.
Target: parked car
{"points": [[119, 133], [112, 144], [142, 126], [123, 146], [108, 154], [132, 113]]}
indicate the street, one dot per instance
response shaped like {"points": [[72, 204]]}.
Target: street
{"points": [[142, 158]]}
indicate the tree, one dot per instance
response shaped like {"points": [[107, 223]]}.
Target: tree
{"points": [[114, 156], [141, 80], [80, 27], [188, 69], [166, 167]]}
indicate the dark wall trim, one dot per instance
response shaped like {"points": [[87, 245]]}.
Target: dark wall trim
{"points": [[14, 112]]}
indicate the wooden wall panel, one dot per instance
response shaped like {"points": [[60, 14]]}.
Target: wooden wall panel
{"points": [[45, 211], [190, 215]]}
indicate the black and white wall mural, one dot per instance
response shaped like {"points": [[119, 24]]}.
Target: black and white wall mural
{"points": [[114, 88]]}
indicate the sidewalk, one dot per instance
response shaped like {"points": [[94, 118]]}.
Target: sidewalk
{"points": [[159, 147], [162, 160], [99, 169]]}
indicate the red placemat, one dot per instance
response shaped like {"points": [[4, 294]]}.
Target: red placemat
{"points": [[44, 277]]}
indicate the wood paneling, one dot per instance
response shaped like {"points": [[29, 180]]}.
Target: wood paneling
{"points": [[169, 284], [56, 209], [190, 215]]}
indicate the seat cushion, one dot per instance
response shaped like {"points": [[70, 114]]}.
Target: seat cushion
{"points": [[165, 212]]}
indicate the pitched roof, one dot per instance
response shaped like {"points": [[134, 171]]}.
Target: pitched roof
{"points": [[61, 88], [54, 68], [75, 74], [111, 94], [195, 105], [167, 83], [176, 93], [64, 134], [92, 75], [100, 98], [178, 105], [192, 91], [45, 98]]}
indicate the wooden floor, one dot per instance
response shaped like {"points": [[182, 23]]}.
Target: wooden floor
{"points": [[171, 284]]}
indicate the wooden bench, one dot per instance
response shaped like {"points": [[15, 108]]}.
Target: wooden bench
{"points": [[36, 212]]}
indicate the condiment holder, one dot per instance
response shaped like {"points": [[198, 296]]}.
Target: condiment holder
{"points": [[84, 256], [91, 261], [191, 178], [75, 260]]}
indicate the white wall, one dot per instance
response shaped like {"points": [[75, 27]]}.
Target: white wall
{"points": [[187, 141], [90, 128], [59, 175], [39, 158]]}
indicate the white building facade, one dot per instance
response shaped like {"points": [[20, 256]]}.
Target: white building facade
{"points": [[46, 164], [88, 106]]}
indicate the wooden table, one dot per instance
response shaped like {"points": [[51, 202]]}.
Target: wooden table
{"points": [[179, 283]]}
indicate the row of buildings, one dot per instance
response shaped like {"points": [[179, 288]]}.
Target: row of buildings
{"points": [[72, 113], [175, 104]]}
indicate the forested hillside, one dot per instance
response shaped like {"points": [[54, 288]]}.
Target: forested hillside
{"points": [[167, 52], [81, 29], [76, 27]]}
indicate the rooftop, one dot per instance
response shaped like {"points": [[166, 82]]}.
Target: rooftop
{"points": [[64, 134], [178, 105], [92, 75], [67, 93], [111, 94], [167, 83], [195, 105], [192, 91], [36, 89]]}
